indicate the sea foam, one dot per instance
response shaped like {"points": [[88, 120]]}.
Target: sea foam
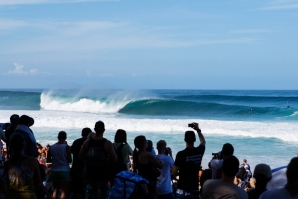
{"points": [[285, 131]]}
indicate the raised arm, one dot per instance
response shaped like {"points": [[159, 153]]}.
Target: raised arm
{"points": [[201, 137]]}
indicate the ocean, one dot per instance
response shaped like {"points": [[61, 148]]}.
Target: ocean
{"points": [[261, 125]]}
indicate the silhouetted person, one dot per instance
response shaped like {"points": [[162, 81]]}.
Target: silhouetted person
{"points": [[77, 169], [23, 176], [14, 122], [95, 151], [225, 187], [290, 191], [60, 156], [262, 175], [23, 129], [188, 163]]}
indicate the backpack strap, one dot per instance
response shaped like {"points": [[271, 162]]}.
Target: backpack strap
{"points": [[120, 147]]}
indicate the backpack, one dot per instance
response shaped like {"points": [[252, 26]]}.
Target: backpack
{"points": [[129, 185], [242, 174], [96, 159]]}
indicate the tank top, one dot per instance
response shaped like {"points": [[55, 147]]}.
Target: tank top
{"points": [[97, 161], [59, 157]]}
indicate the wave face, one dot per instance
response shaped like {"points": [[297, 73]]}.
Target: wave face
{"points": [[19, 100], [229, 105]]}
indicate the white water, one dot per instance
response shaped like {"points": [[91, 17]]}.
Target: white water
{"points": [[285, 131]]}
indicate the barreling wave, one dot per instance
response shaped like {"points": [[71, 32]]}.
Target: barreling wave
{"points": [[205, 109], [203, 104], [56, 102]]}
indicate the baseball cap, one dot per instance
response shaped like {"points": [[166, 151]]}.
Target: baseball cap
{"points": [[189, 137], [25, 119], [263, 169]]}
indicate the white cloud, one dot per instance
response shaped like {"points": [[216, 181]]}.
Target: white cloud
{"points": [[19, 70]]}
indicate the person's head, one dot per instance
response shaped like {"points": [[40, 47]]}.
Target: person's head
{"points": [[161, 146], [14, 119], [120, 136], [227, 150], [26, 120], [140, 142], [262, 174], [62, 135], [16, 143], [39, 146], [99, 127], [292, 171], [244, 161], [189, 137], [149, 145], [230, 166], [86, 131]]}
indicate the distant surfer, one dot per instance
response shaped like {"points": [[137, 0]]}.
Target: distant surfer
{"points": [[288, 105], [250, 111]]}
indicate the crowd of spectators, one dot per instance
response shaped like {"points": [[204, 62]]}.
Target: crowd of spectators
{"points": [[88, 168]]}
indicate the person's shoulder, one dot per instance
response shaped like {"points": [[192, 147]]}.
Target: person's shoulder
{"points": [[201, 147], [274, 193], [211, 182], [240, 190]]}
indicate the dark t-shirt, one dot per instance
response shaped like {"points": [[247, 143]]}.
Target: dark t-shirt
{"points": [[75, 150], [189, 162]]}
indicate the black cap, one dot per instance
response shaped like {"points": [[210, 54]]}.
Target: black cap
{"points": [[25, 119]]}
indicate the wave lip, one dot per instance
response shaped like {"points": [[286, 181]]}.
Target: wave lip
{"points": [[50, 101]]}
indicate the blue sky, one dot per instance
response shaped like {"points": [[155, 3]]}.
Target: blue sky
{"points": [[149, 44]]}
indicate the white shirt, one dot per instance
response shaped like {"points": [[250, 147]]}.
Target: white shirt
{"points": [[163, 184]]}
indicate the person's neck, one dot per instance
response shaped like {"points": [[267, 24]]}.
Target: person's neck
{"points": [[189, 145], [61, 141], [162, 151], [98, 136], [227, 179]]}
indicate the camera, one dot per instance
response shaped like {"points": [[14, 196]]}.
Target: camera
{"points": [[191, 125], [216, 156], [168, 151]]}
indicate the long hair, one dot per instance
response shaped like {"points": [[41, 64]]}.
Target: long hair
{"points": [[139, 142], [16, 146], [149, 146], [120, 136]]}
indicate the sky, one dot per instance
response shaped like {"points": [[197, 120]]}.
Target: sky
{"points": [[166, 44]]}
